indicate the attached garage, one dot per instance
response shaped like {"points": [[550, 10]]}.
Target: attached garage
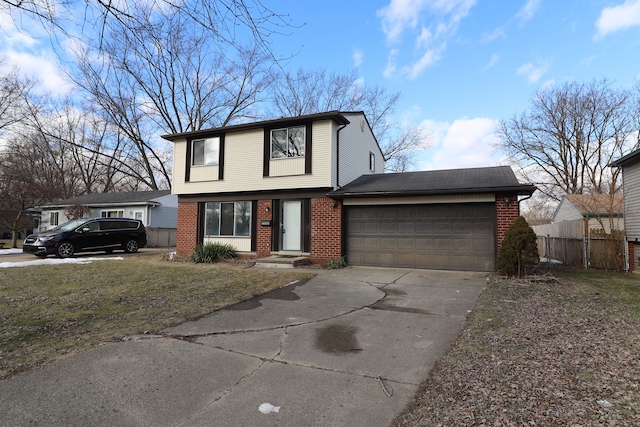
{"points": [[439, 236], [445, 220]]}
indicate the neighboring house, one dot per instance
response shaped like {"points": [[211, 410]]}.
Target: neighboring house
{"points": [[158, 210], [597, 211], [630, 165], [314, 186]]}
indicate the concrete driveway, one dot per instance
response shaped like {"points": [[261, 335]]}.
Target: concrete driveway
{"points": [[347, 348]]}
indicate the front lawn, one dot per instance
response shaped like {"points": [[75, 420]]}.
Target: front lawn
{"points": [[49, 311]]}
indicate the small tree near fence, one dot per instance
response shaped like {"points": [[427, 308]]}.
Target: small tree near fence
{"points": [[519, 248]]}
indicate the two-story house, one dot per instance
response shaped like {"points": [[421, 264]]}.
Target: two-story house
{"points": [[314, 186]]}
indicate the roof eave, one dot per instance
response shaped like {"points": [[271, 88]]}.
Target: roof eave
{"points": [[525, 190], [336, 116]]}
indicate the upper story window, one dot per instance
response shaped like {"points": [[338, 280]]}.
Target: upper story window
{"points": [[372, 162], [288, 142], [205, 152]]}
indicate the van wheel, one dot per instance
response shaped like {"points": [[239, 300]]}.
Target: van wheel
{"points": [[64, 250], [131, 246]]}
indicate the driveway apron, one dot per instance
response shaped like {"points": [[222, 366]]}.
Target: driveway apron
{"points": [[347, 348]]}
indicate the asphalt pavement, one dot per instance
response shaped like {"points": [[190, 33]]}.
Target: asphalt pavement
{"points": [[348, 347]]}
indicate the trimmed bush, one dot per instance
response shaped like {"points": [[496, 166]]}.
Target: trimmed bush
{"points": [[213, 252], [519, 249]]}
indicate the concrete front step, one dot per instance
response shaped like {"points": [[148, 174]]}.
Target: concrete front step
{"points": [[282, 261]]}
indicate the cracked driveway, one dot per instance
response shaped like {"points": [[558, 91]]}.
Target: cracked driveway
{"points": [[328, 352]]}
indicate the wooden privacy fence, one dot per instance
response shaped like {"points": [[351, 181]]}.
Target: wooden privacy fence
{"points": [[569, 245], [588, 252]]}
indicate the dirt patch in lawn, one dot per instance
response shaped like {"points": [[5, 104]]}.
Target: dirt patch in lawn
{"points": [[546, 352]]}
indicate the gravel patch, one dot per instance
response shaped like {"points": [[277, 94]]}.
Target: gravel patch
{"points": [[539, 352]]}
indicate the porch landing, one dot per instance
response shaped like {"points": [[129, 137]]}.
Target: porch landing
{"points": [[282, 261]]}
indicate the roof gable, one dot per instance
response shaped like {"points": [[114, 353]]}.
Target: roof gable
{"points": [[597, 204]]}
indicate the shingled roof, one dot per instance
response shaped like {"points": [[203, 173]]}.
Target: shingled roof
{"points": [[101, 199], [452, 181]]}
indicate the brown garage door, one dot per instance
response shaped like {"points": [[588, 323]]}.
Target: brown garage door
{"points": [[444, 237]]}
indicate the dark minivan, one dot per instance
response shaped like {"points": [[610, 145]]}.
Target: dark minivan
{"points": [[88, 234]]}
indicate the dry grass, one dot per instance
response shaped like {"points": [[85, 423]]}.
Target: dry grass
{"points": [[541, 353], [47, 312]]}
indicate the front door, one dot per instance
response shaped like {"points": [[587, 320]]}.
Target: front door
{"points": [[291, 226]]}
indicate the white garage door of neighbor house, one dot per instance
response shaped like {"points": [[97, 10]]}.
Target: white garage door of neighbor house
{"points": [[441, 236]]}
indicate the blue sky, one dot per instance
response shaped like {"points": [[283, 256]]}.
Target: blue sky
{"points": [[460, 65]]}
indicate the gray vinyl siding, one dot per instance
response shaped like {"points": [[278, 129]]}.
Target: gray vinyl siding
{"points": [[163, 217], [566, 211], [631, 176], [356, 142]]}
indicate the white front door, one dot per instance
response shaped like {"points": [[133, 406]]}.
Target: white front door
{"points": [[291, 225]]}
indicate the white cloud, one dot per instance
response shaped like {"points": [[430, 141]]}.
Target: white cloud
{"points": [[496, 34], [465, 143], [390, 69], [616, 18], [358, 57], [42, 68], [33, 58], [528, 11], [492, 61], [534, 71], [429, 57], [431, 23]]}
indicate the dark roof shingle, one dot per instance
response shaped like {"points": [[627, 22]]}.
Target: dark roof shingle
{"points": [[452, 181], [133, 197]]}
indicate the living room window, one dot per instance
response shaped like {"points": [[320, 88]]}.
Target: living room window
{"points": [[288, 142], [205, 152], [232, 219]]}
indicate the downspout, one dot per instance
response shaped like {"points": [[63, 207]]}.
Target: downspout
{"points": [[522, 200], [338, 155]]}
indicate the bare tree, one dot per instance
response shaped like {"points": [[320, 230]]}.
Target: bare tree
{"points": [[228, 19], [27, 179], [14, 90], [313, 91], [572, 131], [167, 77]]}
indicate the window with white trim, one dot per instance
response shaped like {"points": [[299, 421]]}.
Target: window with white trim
{"points": [[288, 142], [54, 217], [372, 162], [112, 214], [205, 152], [232, 219]]}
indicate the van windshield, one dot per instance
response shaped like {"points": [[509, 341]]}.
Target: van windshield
{"points": [[71, 225]]}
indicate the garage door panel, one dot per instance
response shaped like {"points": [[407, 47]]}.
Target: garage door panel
{"points": [[447, 236], [404, 244], [406, 228], [442, 227], [483, 245], [462, 245], [442, 244]]}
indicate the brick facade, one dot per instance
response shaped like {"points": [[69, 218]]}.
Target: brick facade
{"points": [[265, 233], [187, 232], [326, 227], [326, 230], [507, 210]]}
